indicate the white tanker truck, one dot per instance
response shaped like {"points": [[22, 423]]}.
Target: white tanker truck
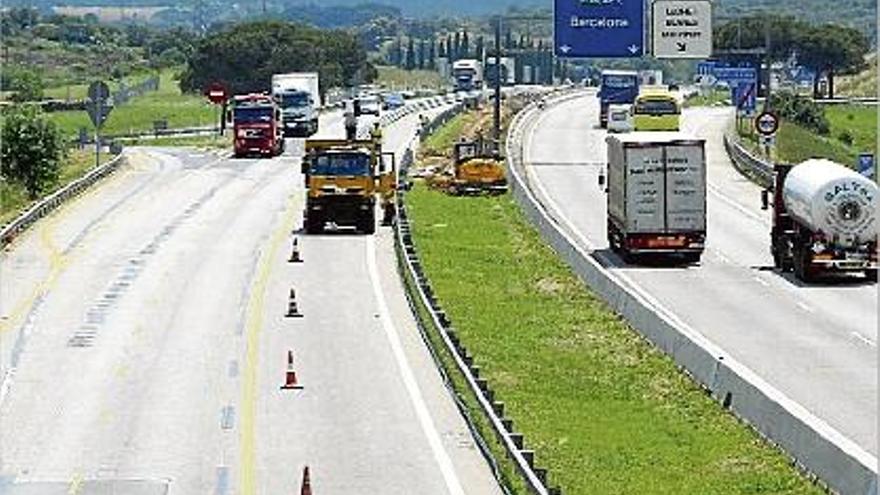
{"points": [[824, 220]]}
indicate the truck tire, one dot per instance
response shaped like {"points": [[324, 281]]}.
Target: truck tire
{"points": [[367, 223], [314, 224], [802, 266], [871, 275], [692, 258]]}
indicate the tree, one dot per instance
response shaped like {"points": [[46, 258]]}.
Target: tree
{"points": [[423, 54], [31, 150], [479, 48], [27, 85], [457, 46], [245, 56], [410, 55], [831, 49], [465, 45], [432, 55]]}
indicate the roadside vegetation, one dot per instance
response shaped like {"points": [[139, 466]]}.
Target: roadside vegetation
{"points": [[711, 98], [399, 79], [169, 103], [811, 130], [603, 409]]}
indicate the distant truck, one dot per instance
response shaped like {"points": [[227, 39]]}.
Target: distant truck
{"points": [[617, 87], [467, 75], [256, 121], [656, 188], [824, 220], [298, 94]]}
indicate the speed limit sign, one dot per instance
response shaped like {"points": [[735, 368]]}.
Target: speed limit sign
{"points": [[767, 123]]}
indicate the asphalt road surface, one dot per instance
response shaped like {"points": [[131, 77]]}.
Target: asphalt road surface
{"points": [[817, 344], [144, 344]]}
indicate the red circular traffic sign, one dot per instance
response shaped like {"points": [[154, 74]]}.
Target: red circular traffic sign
{"points": [[767, 123], [216, 92]]}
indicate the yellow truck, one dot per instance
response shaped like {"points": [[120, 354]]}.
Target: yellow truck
{"points": [[476, 169], [344, 179], [656, 109]]}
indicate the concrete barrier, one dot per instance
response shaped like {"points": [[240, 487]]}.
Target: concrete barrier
{"points": [[842, 465]]}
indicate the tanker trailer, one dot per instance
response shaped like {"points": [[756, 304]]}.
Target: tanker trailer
{"points": [[824, 220]]}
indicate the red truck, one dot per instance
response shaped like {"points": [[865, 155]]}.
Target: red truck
{"points": [[257, 127]]}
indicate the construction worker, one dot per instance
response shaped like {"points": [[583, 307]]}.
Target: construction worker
{"points": [[351, 122], [376, 136]]}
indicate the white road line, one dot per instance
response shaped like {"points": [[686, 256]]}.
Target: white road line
{"points": [[761, 281], [453, 485], [864, 339]]}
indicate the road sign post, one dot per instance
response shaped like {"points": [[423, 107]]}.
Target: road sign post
{"points": [[218, 95], [599, 28], [767, 123], [681, 28], [98, 111]]}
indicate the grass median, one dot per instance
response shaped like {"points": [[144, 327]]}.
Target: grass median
{"points": [[606, 412]]}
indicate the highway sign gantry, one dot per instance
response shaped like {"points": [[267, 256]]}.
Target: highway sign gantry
{"points": [[599, 28], [682, 28]]}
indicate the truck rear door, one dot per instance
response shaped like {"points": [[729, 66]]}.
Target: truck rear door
{"points": [[645, 189], [685, 188]]}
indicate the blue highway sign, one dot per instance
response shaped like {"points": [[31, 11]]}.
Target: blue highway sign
{"points": [[866, 165], [735, 75], [599, 28], [745, 96]]}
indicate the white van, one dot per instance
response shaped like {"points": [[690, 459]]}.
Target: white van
{"points": [[620, 118]]}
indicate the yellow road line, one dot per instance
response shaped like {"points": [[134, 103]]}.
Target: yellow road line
{"points": [[75, 486], [253, 325]]}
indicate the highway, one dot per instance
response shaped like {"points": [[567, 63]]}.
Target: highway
{"points": [[143, 344], [817, 344]]}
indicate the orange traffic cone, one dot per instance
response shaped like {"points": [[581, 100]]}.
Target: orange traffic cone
{"points": [[292, 306], [290, 381], [306, 483], [294, 254]]}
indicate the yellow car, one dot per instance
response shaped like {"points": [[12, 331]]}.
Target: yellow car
{"points": [[657, 111]]}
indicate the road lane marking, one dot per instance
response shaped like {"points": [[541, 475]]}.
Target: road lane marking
{"points": [[253, 325], [453, 484], [761, 281], [863, 339], [804, 306]]}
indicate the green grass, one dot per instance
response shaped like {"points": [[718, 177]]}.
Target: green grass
{"points": [[441, 141], [205, 142], [795, 143], [395, 78], [180, 110], [712, 98], [14, 199], [859, 121], [605, 411]]}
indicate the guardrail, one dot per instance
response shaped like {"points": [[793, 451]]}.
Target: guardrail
{"points": [[51, 202], [753, 167], [421, 295], [815, 446]]}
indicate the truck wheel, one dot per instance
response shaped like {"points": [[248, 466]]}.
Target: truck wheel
{"points": [[871, 275], [802, 267], [314, 224], [367, 223], [628, 257]]}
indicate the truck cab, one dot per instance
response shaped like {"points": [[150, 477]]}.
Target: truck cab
{"points": [[298, 113], [256, 122], [618, 87], [344, 178], [656, 110]]}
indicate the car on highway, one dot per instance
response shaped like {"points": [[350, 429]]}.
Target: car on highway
{"points": [[370, 105], [392, 101], [620, 118]]}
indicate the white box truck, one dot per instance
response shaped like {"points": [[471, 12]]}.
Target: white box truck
{"points": [[298, 94], [656, 188]]}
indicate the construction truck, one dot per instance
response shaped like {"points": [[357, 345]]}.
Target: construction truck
{"points": [[476, 169], [256, 121], [824, 220], [344, 178]]}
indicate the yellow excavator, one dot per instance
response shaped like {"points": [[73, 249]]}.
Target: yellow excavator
{"points": [[344, 178], [476, 169]]}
